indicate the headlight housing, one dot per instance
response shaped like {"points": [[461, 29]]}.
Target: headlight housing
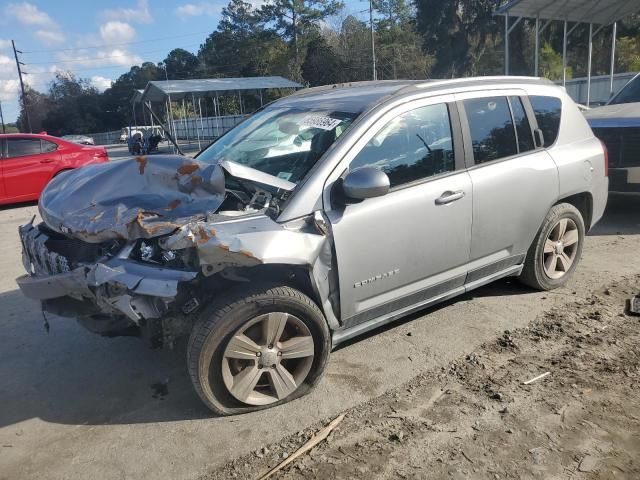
{"points": [[148, 250]]}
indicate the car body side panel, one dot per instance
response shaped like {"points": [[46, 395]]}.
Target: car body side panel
{"points": [[401, 245], [510, 201], [581, 169], [26, 176]]}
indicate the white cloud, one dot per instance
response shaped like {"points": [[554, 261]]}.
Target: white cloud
{"points": [[116, 32], [101, 83], [28, 14], [100, 58], [140, 13], [9, 85], [199, 9], [5, 44], [50, 36]]}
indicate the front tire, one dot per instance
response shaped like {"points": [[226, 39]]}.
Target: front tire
{"points": [[261, 347], [556, 250]]}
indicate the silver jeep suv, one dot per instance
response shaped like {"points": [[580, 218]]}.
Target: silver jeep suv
{"points": [[324, 215]]}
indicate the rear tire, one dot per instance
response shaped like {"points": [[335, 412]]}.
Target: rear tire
{"points": [[233, 365], [556, 250]]}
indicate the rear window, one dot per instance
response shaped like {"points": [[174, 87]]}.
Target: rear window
{"points": [[547, 111], [491, 127], [48, 146], [21, 147]]}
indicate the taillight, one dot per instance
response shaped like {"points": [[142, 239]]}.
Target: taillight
{"points": [[101, 155], [606, 159]]}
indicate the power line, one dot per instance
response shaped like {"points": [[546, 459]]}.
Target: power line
{"points": [[95, 59], [118, 44]]}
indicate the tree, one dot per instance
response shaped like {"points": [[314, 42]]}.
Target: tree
{"points": [[322, 66], [180, 65], [455, 32], [241, 46], [39, 105], [75, 106], [628, 54], [292, 18]]}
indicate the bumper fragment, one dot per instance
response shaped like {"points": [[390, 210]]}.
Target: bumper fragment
{"points": [[114, 286]]}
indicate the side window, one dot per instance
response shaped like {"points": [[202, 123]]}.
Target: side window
{"points": [[547, 111], [48, 146], [21, 147], [491, 126], [523, 129], [415, 145]]}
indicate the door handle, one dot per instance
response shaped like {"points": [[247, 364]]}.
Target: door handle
{"points": [[448, 197], [46, 160]]}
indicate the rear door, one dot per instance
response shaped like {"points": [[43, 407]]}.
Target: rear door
{"points": [[514, 183], [29, 165], [412, 244]]}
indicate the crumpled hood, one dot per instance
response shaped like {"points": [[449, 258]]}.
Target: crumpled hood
{"points": [[142, 197]]}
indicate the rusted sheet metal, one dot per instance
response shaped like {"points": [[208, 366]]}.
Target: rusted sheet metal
{"points": [[139, 198], [247, 241]]}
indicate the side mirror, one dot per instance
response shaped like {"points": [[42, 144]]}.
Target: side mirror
{"points": [[538, 138], [365, 182]]}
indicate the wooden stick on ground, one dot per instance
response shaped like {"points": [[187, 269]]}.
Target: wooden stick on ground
{"points": [[312, 442], [535, 379]]}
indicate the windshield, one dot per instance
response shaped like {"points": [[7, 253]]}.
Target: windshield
{"points": [[629, 93], [283, 142]]}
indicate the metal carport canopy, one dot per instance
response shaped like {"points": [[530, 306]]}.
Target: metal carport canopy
{"points": [[159, 91], [602, 12]]}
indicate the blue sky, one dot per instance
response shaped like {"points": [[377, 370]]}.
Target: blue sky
{"points": [[99, 40]]}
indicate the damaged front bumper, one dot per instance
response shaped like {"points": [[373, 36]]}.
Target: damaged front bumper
{"points": [[114, 285]]}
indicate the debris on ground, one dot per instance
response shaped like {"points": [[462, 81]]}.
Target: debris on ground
{"points": [[476, 418], [312, 442], [634, 305]]}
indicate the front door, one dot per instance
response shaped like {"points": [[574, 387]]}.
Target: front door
{"points": [[28, 166], [412, 244]]}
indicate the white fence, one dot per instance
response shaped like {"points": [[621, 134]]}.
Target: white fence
{"points": [[206, 128], [600, 86], [106, 138]]}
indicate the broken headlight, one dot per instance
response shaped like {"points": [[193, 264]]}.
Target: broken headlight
{"points": [[149, 251]]}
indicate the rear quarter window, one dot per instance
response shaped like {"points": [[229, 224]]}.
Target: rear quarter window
{"points": [[547, 111]]}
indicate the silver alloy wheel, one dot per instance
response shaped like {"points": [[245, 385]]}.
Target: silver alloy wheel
{"points": [[560, 248], [267, 358]]}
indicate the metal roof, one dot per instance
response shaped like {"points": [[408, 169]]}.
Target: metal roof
{"points": [[603, 12], [158, 91]]}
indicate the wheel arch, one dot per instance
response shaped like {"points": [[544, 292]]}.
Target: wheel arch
{"points": [[299, 277], [584, 203]]}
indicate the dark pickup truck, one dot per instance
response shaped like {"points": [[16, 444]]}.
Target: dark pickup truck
{"points": [[617, 124]]}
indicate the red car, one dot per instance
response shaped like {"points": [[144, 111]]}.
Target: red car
{"points": [[29, 161]]}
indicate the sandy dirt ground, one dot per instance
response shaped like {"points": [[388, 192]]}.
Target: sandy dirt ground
{"points": [[76, 405], [475, 418]]}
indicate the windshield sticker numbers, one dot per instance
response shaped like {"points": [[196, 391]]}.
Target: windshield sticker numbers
{"points": [[285, 175], [320, 121]]}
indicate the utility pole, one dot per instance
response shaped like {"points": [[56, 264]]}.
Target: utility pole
{"points": [[373, 43], [24, 97], [4, 130]]}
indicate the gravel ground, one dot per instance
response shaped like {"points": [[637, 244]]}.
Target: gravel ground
{"points": [[475, 418]]}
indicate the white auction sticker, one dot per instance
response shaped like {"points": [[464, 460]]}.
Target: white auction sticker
{"points": [[320, 121]]}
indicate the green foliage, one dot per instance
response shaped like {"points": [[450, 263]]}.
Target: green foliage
{"points": [[628, 54], [551, 63]]}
